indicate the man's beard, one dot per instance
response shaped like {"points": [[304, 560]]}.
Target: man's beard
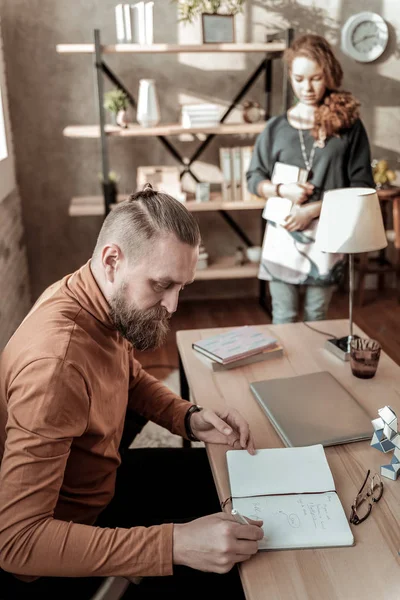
{"points": [[144, 329]]}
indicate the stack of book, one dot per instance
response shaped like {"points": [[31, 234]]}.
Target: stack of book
{"points": [[237, 348], [234, 164], [200, 115], [202, 261]]}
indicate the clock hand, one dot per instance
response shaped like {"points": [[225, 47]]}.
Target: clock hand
{"points": [[366, 37]]}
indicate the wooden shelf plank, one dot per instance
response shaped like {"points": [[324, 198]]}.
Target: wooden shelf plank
{"points": [[171, 48], [133, 130], [225, 268], [82, 206]]}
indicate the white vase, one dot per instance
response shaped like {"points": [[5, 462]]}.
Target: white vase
{"points": [[148, 111]]}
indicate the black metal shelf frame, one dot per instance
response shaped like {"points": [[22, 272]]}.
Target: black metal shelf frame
{"points": [[102, 69]]}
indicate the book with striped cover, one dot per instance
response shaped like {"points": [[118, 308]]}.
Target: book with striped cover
{"points": [[235, 344]]}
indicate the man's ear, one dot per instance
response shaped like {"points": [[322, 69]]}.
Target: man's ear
{"points": [[111, 257]]}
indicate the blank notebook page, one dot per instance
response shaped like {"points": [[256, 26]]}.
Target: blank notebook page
{"points": [[279, 471]]}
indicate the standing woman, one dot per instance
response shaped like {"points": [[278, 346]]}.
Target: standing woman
{"points": [[322, 135]]}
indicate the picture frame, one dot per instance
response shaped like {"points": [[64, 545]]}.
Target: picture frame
{"points": [[218, 29]]}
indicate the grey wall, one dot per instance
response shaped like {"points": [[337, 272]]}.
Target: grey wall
{"points": [[48, 91]]}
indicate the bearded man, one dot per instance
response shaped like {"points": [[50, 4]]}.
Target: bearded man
{"points": [[69, 379]]}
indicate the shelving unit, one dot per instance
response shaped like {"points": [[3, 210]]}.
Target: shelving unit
{"points": [[223, 268], [93, 131]]}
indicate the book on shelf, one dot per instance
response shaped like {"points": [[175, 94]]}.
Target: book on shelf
{"points": [[235, 344], [246, 154], [234, 164], [148, 22], [269, 354], [120, 22], [292, 491], [226, 168], [128, 22], [236, 169]]}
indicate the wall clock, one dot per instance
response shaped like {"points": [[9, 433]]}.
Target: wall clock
{"points": [[365, 36]]}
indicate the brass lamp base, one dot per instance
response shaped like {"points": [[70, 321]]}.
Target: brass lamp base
{"points": [[340, 347]]}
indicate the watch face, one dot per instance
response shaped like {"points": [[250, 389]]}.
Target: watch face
{"points": [[364, 36]]}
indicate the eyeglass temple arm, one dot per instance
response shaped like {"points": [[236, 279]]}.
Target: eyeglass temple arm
{"points": [[365, 481]]}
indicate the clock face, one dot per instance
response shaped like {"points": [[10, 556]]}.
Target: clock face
{"points": [[364, 36]]}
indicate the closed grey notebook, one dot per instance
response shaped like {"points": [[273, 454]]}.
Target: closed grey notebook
{"points": [[312, 409]]}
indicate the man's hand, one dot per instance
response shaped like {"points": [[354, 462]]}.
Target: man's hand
{"points": [[296, 192], [215, 543], [300, 217], [225, 426]]}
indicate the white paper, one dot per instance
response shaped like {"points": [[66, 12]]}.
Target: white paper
{"points": [[298, 521], [276, 209], [279, 471]]}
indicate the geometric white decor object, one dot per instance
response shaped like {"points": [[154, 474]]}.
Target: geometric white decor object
{"points": [[386, 438]]}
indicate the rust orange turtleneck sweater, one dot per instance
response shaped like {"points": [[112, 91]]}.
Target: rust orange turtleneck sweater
{"points": [[67, 378]]}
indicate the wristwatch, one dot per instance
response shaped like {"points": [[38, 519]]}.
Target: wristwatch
{"points": [[194, 408]]}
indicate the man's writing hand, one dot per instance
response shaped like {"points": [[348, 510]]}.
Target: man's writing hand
{"points": [[215, 543], [225, 426]]}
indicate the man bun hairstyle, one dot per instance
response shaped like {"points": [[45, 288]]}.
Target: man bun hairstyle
{"points": [[146, 215]]}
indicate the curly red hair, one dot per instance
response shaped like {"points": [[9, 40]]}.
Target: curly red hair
{"points": [[338, 109]]}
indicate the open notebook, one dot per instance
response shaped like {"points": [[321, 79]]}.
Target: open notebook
{"points": [[293, 492]]}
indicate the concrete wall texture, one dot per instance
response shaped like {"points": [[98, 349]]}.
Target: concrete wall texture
{"points": [[14, 281], [48, 91]]}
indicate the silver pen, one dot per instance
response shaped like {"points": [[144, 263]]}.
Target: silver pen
{"points": [[238, 517], [241, 519]]}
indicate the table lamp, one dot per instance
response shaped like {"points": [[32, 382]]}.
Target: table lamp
{"points": [[350, 222]]}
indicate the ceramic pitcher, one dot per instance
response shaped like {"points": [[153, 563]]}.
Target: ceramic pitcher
{"points": [[148, 111]]}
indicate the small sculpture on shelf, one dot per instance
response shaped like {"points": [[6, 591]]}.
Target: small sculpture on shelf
{"points": [[116, 102], [387, 438], [252, 112], [240, 256], [383, 176]]}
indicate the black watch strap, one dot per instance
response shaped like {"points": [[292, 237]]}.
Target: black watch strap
{"points": [[189, 432]]}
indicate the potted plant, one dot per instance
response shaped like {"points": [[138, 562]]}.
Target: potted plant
{"points": [[116, 102], [110, 188], [217, 17]]}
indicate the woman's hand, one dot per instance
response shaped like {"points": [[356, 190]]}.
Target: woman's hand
{"points": [[225, 426], [296, 192], [300, 217]]}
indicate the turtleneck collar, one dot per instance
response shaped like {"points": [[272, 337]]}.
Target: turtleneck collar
{"points": [[84, 288]]}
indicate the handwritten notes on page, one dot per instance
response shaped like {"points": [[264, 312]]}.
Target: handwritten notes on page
{"points": [[298, 520]]}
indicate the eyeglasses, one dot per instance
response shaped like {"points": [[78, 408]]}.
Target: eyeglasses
{"points": [[361, 509]]}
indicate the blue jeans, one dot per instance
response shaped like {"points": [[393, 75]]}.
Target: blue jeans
{"points": [[285, 302]]}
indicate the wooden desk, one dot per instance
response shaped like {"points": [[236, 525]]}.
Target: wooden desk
{"points": [[370, 569]]}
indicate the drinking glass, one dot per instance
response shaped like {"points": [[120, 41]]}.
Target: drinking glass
{"points": [[364, 357]]}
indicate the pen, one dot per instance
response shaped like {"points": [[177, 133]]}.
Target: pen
{"points": [[242, 520], [238, 517]]}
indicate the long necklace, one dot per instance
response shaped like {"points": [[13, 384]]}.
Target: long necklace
{"points": [[308, 160]]}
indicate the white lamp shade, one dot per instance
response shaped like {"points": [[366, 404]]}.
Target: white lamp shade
{"points": [[350, 222]]}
